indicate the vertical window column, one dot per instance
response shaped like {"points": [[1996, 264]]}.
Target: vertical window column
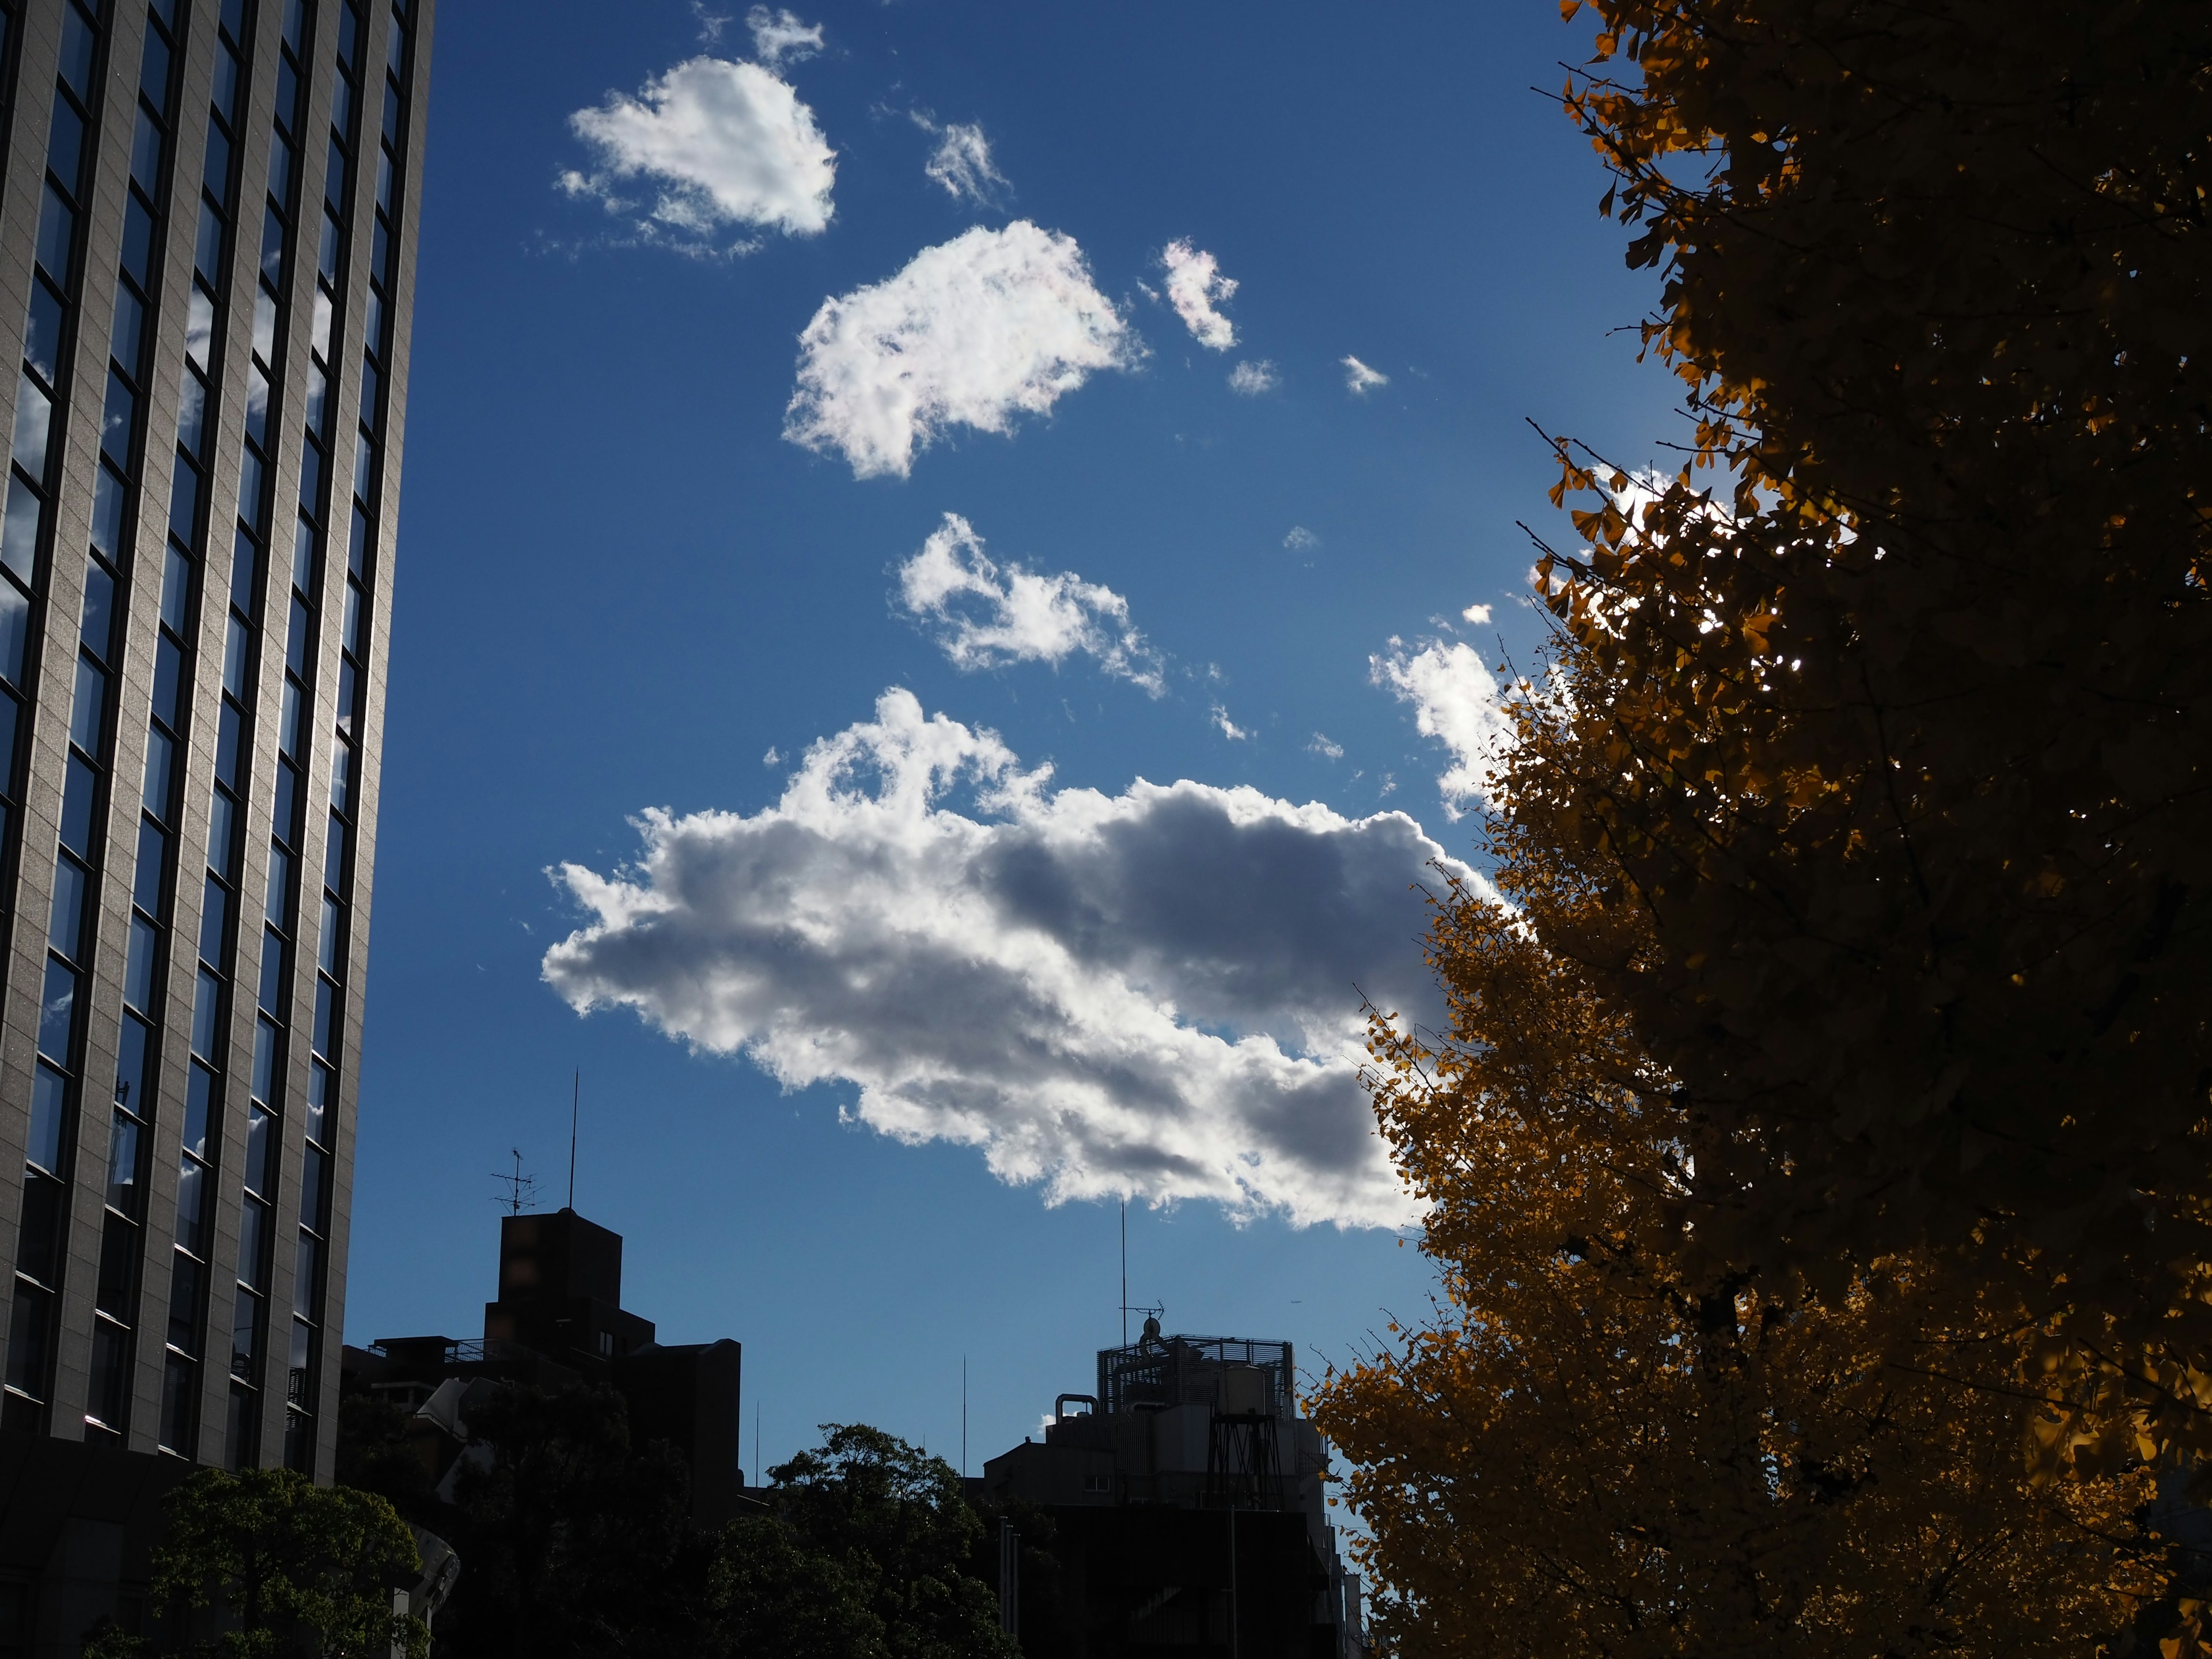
{"points": [[32, 460]]}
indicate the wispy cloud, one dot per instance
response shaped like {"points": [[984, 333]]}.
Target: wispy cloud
{"points": [[1359, 380], [1477, 614], [1227, 727], [1155, 993], [1321, 745], [780, 37], [1456, 701], [972, 333], [720, 144], [1194, 285], [1252, 378], [1300, 539], [984, 616], [961, 161]]}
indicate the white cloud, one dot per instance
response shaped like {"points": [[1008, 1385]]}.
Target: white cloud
{"points": [[779, 37], [986, 615], [1251, 380], [1359, 380], [1321, 745], [1454, 700], [1150, 994], [961, 162], [772, 758], [1300, 539], [971, 332], [1195, 283], [1227, 727], [1477, 614], [725, 143]]}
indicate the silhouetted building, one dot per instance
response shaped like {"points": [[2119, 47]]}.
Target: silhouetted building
{"points": [[1182, 1508], [559, 1321], [207, 214]]}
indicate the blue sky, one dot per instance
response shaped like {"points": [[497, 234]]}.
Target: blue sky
{"points": [[880, 1025]]}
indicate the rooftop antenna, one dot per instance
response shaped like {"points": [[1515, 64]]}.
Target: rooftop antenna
{"points": [[963, 1417], [520, 1188], [575, 1105], [1125, 1273]]}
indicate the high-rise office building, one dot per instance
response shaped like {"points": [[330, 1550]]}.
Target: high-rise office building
{"points": [[207, 225]]}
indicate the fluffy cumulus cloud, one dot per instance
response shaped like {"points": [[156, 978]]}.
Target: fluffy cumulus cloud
{"points": [[1250, 379], [780, 37], [972, 333], [1456, 701], [1195, 285], [1155, 993], [985, 616], [1359, 380], [720, 145], [961, 161]]}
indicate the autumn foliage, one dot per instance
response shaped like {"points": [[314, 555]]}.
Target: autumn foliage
{"points": [[1852, 1000]]}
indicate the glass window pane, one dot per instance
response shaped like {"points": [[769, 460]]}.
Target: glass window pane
{"points": [[213, 916], [265, 1062], [207, 249], [77, 42], [245, 568], [297, 635], [134, 1056], [154, 71], [160, 768], [117, 420], [199, 1110], [77, 796], [57, 1012], [65, 928], [19, 551], [42, 331], [260, 1149], [28, 1330], [138, 973], [97, 623], [253, 1242], [256, 407], [56, 232], [49, 1104], [185, 504], [228, 741], [311, 479], [89, 710], [65, 147], [179, 1376], [288, 96], [287, 823], [328, 957], [273, 957], [326, 1018], [108, 494], [342, 777], [288, 736], [123, 1162], [238, 641], [312, 1197], [222, 821], [10, 728], [207, 1005], [128, 334], [168, 672], [34, 416], [280, 885], [214, 162], [146, 149], [306, 1273], [176, 592], [137, 240], [153, 854], [326, 255], [334, 177], [191, 1203], [245, 1332], [183, 1321], [334, 857], [322, 1095], [226, 86]]}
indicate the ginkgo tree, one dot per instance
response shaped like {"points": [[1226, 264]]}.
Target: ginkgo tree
{"points": [[1817, 1157], [1891, 710]]}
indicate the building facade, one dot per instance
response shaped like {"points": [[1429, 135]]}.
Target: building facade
{"points": [[207, 227], [1182, 1508]]}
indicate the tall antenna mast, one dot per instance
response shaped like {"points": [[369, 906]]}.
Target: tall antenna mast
{"points": [[575, 1105], [963, 1417], [1125, 1273]]}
